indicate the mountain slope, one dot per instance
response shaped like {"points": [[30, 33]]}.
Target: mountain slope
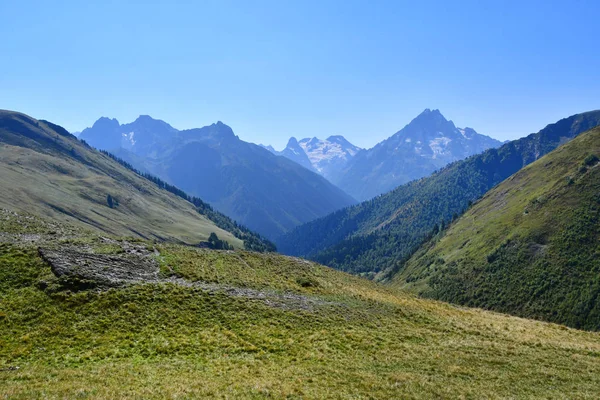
{"points": [[267, 193], [427, 143], [377, 235], [47, 171], [530, 246], [214, 324]]}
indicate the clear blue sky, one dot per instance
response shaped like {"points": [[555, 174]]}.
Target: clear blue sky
{"points": [[277, 69]]}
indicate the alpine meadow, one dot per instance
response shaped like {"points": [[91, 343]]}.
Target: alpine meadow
{"points": [[299, 200]]}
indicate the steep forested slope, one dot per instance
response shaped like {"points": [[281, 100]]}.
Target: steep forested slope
{"points": [[530, 246]]}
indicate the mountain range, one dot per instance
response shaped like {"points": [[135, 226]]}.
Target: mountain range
{"points": [[428, 143], [146, 291], [215, 165], [267, 193], [376, 236]]}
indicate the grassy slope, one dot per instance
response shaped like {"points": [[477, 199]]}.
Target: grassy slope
{"points": [[53, 174], [531, 246], [362, 341]]}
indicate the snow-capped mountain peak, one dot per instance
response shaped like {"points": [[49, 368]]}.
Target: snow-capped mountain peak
{"points": [[326, 157], [322, 153], [432, 136], [427, 143]]}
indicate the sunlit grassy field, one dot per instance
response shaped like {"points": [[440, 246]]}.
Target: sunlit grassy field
{"points": [[355, 339]]}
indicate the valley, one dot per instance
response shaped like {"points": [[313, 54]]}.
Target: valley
{"points": [[102, 298], [269, 194]]}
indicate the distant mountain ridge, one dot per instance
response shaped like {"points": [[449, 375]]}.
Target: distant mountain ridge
{"points": [[428, 143], [267, 193]]}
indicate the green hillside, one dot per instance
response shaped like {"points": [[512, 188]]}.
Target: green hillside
{"points": [[376, 236], [46, 171], [530, 246], [213, 324]]}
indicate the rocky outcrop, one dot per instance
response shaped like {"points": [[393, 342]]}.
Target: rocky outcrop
{"points": [[83, 270]]}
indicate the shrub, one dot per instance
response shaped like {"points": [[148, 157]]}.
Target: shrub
{"points": [[590, 160]]}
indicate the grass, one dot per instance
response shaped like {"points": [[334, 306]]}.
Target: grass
{"points": [[362, 340]]}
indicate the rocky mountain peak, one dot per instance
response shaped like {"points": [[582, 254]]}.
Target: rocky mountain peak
{"points": [[147, 124], [429, 123], [106, 123], [427, 143], [223, 129], [268, 147], [338, 139], [295, 152], [145, 117]]}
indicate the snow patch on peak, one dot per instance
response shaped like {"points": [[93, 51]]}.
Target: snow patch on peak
{"points": [[128, 140], [439, 145], [352, 151], [322, 153], [326, 157], [319, 151]]}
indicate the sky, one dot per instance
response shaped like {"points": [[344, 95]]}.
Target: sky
{"points": [[276, 69]]}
